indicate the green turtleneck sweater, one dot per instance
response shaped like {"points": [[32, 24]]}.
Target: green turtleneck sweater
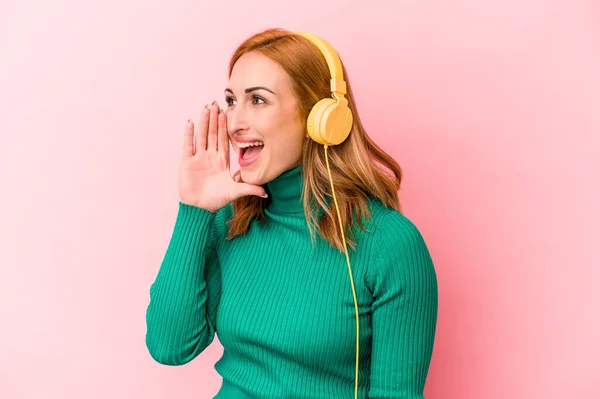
{"points": [[284, 310]]}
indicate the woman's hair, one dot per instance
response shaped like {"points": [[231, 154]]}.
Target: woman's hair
{"points": [[358, 166]]}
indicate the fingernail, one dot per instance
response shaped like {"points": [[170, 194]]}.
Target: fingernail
{"points": [[264, 196], [206, 106], [213, 103]]}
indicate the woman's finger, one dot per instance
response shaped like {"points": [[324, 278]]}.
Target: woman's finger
{"points": [[202, 130], [223, 137], [212, 127], [188, 139]]}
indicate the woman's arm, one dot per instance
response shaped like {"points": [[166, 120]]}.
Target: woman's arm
{"points": [[404, 310], [184, 297]]}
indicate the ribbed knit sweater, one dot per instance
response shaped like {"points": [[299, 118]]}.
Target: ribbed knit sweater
{"points": [[284, 310]]}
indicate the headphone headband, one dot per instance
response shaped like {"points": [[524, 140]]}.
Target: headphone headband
{"points": [[338, 84]]}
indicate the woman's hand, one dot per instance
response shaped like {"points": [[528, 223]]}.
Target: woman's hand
{"points": [[204, 178]]}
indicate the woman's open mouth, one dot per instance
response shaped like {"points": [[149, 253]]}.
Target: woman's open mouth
{"points": [[249, 152]]}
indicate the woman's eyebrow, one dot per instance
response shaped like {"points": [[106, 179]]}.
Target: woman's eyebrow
{"points": [[251, 89]]}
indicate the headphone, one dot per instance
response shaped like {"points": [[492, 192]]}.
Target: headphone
{"points": [[329, 123]]}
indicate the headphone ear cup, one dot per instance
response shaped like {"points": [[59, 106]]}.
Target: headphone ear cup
{"points": [[314, 123], [329, 122], [338, 123], [310, 125]]}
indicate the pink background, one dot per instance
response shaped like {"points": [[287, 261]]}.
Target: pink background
{"points": [[491, 108]]}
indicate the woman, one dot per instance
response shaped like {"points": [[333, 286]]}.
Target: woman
{"points": [[259, 259]]}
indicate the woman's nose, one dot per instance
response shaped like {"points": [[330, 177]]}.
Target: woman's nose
{"points": [[236, 120]]}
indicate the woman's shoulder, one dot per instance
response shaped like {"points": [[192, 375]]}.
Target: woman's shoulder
{"points": [[399, 246], [391, 227]]}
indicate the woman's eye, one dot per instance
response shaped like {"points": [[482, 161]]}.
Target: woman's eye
{"points": [[255, 100]]}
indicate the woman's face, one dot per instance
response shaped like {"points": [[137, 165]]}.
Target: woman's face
{"points": [[262, 108]]}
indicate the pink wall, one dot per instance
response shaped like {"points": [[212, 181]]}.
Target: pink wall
{"points": [[492, 109]]}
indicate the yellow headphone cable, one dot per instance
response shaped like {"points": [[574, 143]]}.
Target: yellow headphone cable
{"points": [[329, 123]]}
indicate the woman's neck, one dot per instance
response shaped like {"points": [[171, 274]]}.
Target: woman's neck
{"points": [[285, 192]]}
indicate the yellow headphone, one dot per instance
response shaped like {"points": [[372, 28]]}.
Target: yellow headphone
{"points": [[330, 120], [329, 123]]}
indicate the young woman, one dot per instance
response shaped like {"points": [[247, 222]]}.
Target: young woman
{"points": [[259, 259]]}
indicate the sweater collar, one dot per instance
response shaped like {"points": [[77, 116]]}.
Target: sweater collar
{"points": [[286, 192]]}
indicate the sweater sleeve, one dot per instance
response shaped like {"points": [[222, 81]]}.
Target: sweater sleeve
{"points": [[404, 311], [181, 314]]}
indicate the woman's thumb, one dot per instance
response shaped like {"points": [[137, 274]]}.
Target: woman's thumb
{"points": [[250, 189]]}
